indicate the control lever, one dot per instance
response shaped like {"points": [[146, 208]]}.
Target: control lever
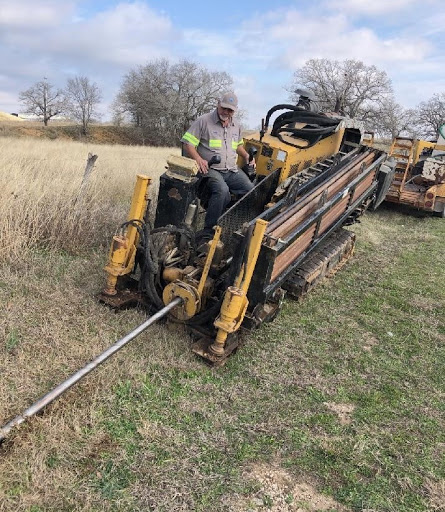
{"points": [[249, 169], [216, 159]]}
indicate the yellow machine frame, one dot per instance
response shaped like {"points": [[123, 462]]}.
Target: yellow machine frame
{"points": [[194, 284], [123, 247], [122, 258], [290, 159], [407, 153]]}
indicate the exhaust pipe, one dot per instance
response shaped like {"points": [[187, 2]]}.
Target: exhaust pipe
{"points": [[68, 383]]}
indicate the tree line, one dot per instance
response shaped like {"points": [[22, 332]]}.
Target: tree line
{"points": [[365, 93], [79, 100], [162, 99]]}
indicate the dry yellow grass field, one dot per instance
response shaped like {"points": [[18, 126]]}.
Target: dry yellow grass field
{"points": [[39, 197]]}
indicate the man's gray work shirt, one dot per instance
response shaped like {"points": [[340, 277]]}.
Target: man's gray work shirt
{"points": [[210, 137]]}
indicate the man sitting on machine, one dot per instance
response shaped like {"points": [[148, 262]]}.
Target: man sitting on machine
{"points": [[218, 134]]}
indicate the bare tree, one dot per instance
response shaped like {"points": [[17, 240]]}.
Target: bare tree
{"points": [[430, 115], [163, 98], [389, 119], [43, 101], [82, 98], [348, 87]]}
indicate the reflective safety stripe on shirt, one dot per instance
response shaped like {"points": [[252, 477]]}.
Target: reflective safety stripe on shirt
{"points": [[191, 138], [209, 137]]}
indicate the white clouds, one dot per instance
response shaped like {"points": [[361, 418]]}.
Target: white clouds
{"points": [[129, 24], [34, 15], [291, 37], [332, 37], [373, 7], [434, 25], [127, 35], [124, 36], [7, 98], [209, 44], [59, 39], [51, 38]]}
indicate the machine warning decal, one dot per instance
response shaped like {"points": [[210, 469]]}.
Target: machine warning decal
{"points": [[281, 155]]}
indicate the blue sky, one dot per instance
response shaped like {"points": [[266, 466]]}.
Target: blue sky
{"points": [[260, 43]]}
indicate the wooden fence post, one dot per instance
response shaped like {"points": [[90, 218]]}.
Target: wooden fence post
{"points": [[91, 160]]}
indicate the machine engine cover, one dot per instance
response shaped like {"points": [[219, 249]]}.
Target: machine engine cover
{"points": [[175, 196]]}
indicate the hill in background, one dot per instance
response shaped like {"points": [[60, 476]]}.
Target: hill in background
{"points": [[9, 117], [12, 126]]}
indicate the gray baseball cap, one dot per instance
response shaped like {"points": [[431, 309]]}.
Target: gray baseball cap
{"points": [[229, 100]]}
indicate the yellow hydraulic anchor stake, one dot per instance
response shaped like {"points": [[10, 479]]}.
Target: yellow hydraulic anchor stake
{"points": [[123, 247], [235, 301]]}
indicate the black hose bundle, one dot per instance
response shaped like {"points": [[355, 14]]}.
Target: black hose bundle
{"points": [[136, 223], [183, 231], [150, 268], [153, 250], [317, 126], [147, 258]]}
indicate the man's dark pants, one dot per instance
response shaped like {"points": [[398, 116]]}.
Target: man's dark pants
{"points": [[221, 185]]}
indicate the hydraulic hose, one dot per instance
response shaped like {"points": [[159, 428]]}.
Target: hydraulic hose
{"points": [[317, 125]]}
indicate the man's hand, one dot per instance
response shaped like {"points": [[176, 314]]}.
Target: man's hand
{"points": [[191, 152], [203, 165], [244, 154], [252, 163]]}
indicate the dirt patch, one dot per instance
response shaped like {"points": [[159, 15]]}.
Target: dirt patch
{"points": [[280, 492], [343, 411], [436, 494], [369, 343], [425, 303]]}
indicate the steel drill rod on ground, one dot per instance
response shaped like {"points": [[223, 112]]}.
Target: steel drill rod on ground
{"points": [[64, 386]]}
